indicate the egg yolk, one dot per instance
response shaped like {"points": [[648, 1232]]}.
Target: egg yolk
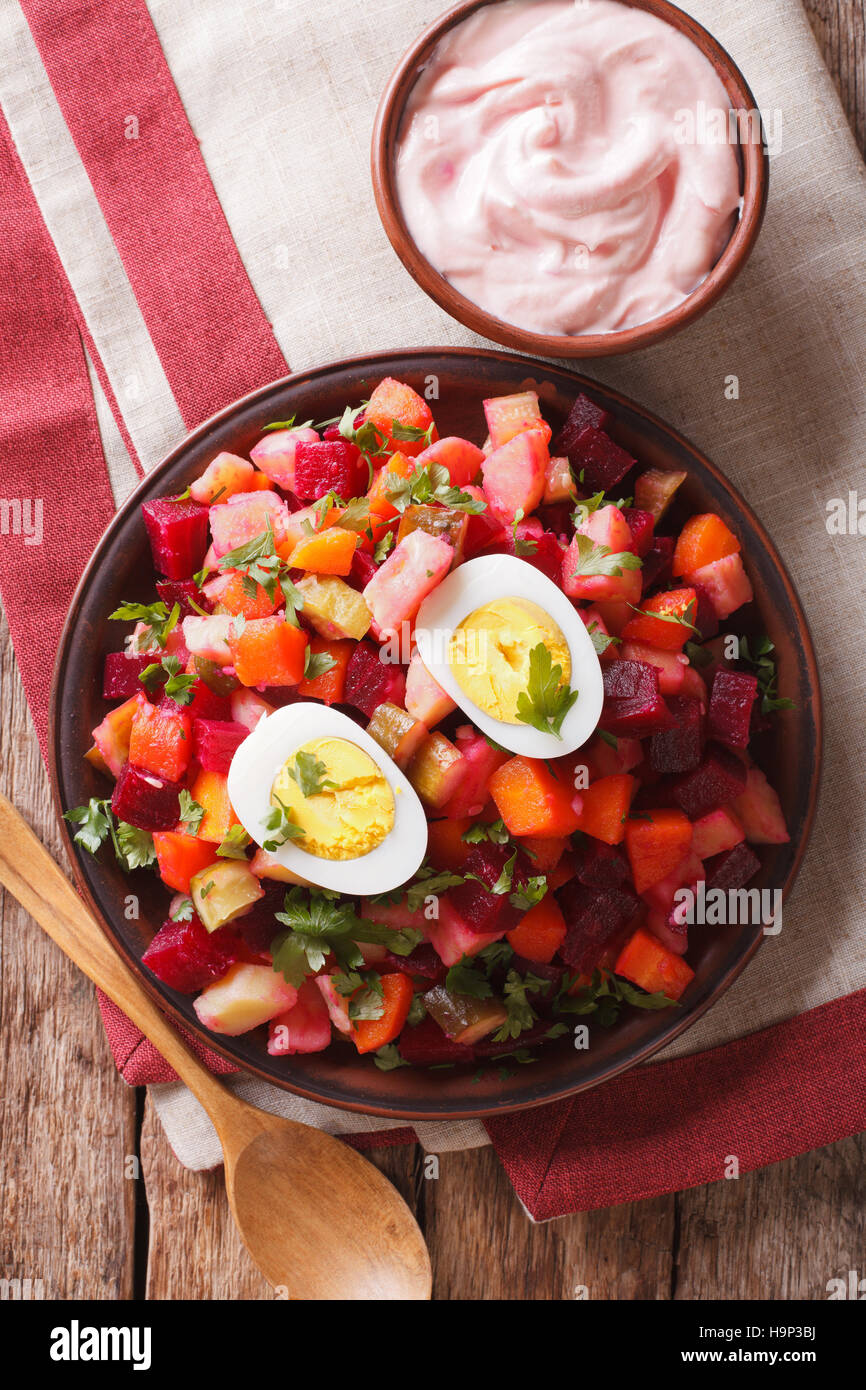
{"points": [[489, 653], [338, 796]]}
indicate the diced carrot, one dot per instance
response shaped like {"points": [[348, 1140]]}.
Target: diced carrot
{"points": [[210, 790], [605, 807], [259, 482], [540, 931], [328, 552], [545, 854], [235, 599], [531, 800], [649, 964], [397, 464], [330, 685], [179, 856], [268, 651], [656, 846], [703, 539], [161, 740], [669, 630], [446, 848], [372, 1033], [394, 401]]}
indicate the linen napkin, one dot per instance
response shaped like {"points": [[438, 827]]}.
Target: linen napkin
{"points": [[191, 121]]}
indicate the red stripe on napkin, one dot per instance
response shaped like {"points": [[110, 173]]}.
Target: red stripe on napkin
{"points": [[664, 1127], [107, 69], [52, 456]]}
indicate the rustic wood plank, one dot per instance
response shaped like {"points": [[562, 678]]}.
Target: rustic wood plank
{"points": [[780, 1233], [840, 28], [69, 1120]]}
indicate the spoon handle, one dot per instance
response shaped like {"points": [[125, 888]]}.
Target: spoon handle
{"points": [[29, 873]]}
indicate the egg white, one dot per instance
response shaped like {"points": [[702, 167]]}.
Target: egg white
{"points": [[251, 777], [481, 581]]}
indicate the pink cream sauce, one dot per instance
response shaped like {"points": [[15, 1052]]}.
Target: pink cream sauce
{"points": [[547, 169]]}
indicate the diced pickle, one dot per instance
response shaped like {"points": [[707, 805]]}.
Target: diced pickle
{"points": [[214, 677], [436, 770], [224, 891], [448, 522], [333, 608], [463, 1018], [397, 732]]}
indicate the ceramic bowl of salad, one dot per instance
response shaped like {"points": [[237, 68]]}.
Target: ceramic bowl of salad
{"points": [[571, 180], [420, 705]]}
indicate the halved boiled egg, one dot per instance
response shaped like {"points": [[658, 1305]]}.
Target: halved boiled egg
{"points": [[478, 633], [359, 826]]}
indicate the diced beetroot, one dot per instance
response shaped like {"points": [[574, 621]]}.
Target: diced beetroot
{"points": [[679, 749], [482, 760], [603, 463], [146, 801], [642, 526], [328, 465], [705, 619], [425, 1045], [121, 678], [600, 865], [731, 699], [671, 666], [657, 563], [633, 704], [180, 591], [486, 1047], [595, 918], [177, 532], [451, 937], [547, 555], [370, 682], [556, 517], [362, 571], [215, 742], [716, 832], [483, 529], [422, 961], [481, 912], [205, 704], [305, 1027], [583, 413], [733, 869], [543, 970], [759, 809], [720, 777], [186, 957]]}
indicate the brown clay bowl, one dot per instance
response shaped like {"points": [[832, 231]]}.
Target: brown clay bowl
{"points": [[121, 568], [754, 184]]}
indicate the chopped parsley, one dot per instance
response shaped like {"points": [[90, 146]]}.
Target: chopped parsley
{"points": [[546, 700]]}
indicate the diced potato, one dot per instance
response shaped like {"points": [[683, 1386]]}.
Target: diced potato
{"points": [[333, 608], [245, 997], [224, 891]]}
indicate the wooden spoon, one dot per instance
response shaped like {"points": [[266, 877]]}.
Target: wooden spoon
{"points": [[318, 1219]]}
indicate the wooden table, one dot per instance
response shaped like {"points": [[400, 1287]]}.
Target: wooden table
{"points": [[96, 1206]]}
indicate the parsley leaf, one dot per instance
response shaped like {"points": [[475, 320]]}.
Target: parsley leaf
{"points": [[529, 894], [546, 701], [429, 883], [599, 559], [158, 621], [387, 1058], [764, 667], [262, 566], [318, 925], [282, 824], [601, 640], [234, 844], [464, 978], [383, 547], [685, 620], [191, 814], [178, 687], [94, 824], [522, 545], [182, 910], [521, 1014], [309, 773], [496, 833], [316, 664], [133, 847]]}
